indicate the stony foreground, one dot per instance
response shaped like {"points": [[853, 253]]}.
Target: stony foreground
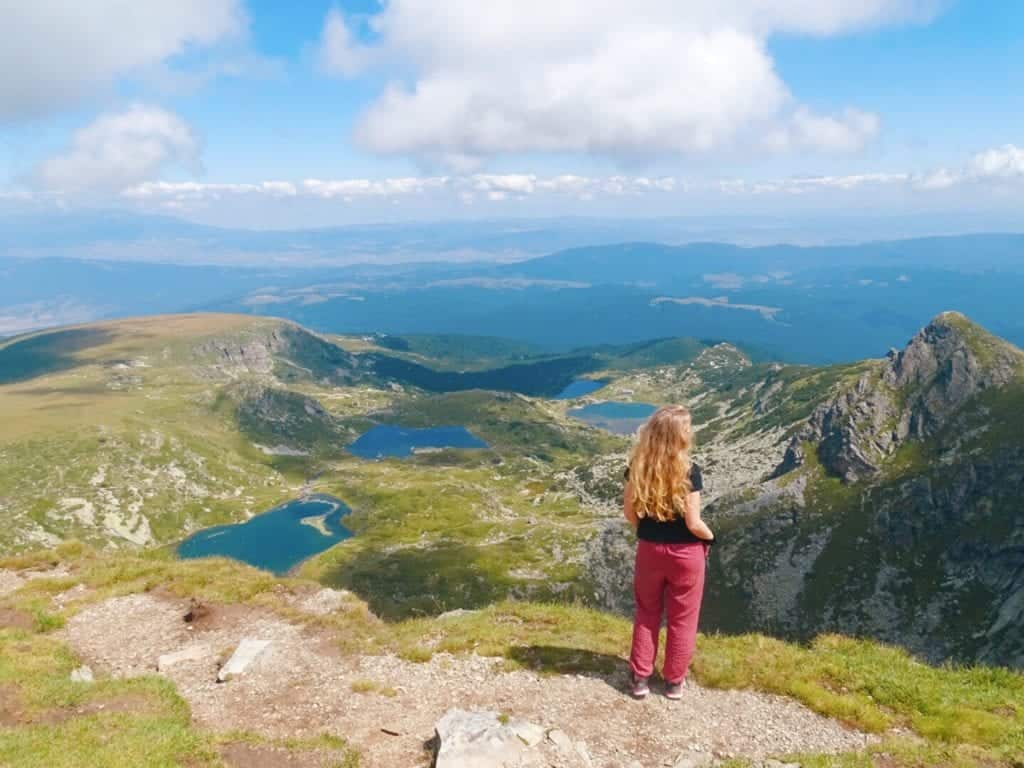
{"points": [[299, 686]]}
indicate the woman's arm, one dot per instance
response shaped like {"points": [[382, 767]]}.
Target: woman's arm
{"points": [[627, 507], [693, 520]]}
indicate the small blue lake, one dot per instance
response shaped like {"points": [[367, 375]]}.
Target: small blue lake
{"points": [[621, 418], [581, 387], [277, 540], [387, 440]]}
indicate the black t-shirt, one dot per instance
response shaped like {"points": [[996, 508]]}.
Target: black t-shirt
{"points": [[673, 531]]}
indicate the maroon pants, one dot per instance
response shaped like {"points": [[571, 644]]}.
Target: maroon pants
{"points": [[669, 579]]}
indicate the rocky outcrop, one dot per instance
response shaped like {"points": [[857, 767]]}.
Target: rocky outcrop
{"points": [[944, 366], [924, 549], [245, 355], [286, 351], [910, 395], [294, 424]]}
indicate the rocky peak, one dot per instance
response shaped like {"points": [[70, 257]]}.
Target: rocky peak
{"points": [[911, 395], [948, 362]]}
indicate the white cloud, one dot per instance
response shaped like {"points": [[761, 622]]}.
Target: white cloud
{"points": [[182, 191], [940, 178], [121, 149], [495, 187], [991, 167], [352, 188], [54, 52], [999, 165], [846, 132], [809, 184], [607, 77], [16, 194], [500, 186], [1006, 162], [340, 54]]}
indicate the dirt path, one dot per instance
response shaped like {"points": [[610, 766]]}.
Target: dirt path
{"points": [[300, 686]]}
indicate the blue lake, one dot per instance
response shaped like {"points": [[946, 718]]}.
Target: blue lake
{"points": [[277, 540], [386, 440], [621, 418], [580, 387]]}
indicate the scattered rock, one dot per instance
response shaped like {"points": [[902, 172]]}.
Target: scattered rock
{"points": [[531, 733], [82, 675], [244, 655], [325, 601], [61, 599], [301, 688], [584, 755], [693, 760], [456, 613], [561, 740], [478, 740], [189, 653]]}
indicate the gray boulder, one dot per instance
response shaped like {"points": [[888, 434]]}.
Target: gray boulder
{"points": [[486, 740]]}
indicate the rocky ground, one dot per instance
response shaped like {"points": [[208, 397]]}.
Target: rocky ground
{"points": [[299, 686]]}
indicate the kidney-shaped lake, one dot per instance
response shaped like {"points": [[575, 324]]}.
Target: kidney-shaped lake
{"points": [[277, 540]]}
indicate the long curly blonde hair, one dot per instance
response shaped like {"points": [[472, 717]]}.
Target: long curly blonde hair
{"points": [[659, 470]]}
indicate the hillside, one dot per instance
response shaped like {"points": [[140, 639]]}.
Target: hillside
{"points": [[161, 425], [874, 499], [877, 498], [113, 660], [896, 510]]}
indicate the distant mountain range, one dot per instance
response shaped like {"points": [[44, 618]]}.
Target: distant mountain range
{"points": [[814, 304]]}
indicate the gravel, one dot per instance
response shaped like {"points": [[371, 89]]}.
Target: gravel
{"points": [[302, 687]]}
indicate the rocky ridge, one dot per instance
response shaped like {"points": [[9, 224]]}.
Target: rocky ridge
{"points": [[927, 480], [886, 504], [911, 395]]}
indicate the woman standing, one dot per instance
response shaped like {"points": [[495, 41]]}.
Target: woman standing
{"points": [[662, 502]]}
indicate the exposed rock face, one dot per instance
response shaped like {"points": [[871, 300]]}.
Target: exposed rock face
{"points": [[945, 365], [851, 430], [926, 552], [294, 424], [910, 395], [922, 547], [254, 355], [282, 349]]}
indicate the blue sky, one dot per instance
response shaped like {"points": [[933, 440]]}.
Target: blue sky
{"points": [[267, 113]]}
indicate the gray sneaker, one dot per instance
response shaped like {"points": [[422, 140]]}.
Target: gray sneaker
{"points": [[674, 691], [639, 687]]}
